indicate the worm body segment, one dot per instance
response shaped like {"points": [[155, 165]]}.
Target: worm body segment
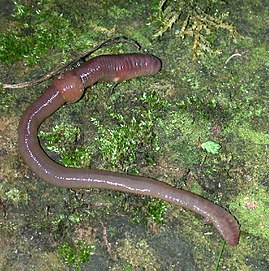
{"points": [[69, 88]]}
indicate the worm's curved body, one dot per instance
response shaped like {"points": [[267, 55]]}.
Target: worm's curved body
{"points": [[69, 88]]}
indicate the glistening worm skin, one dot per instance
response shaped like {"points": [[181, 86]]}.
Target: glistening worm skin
{"points": [[69, 88]]}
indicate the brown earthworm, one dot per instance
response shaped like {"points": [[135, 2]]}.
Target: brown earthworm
{"points": [[70, 88]]}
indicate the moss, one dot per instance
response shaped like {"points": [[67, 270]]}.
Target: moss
{"points": [[7, 100], [252, 210], [201, 21], [253, 137], [15, 195], [64, 140], [178, 134], [136, 255], [156, 210], [44, 261], [119, 144], [148, 211], [76, 254], [39, 27], [36, 29], [119, 13]]}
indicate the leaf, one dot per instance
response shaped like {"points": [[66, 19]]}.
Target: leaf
{"points": [[211, 147]]}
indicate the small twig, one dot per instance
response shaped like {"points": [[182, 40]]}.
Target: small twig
{"points": [[104, 237], [79, 57], [33, 82], [229, 58]]}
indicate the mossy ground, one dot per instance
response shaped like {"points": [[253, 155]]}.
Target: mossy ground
{"points": [[152, 126]]}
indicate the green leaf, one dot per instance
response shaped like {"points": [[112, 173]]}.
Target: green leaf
{"points": [[211, 147]]}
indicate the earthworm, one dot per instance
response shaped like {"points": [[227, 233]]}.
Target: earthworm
{"points": [[70, 88]]}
